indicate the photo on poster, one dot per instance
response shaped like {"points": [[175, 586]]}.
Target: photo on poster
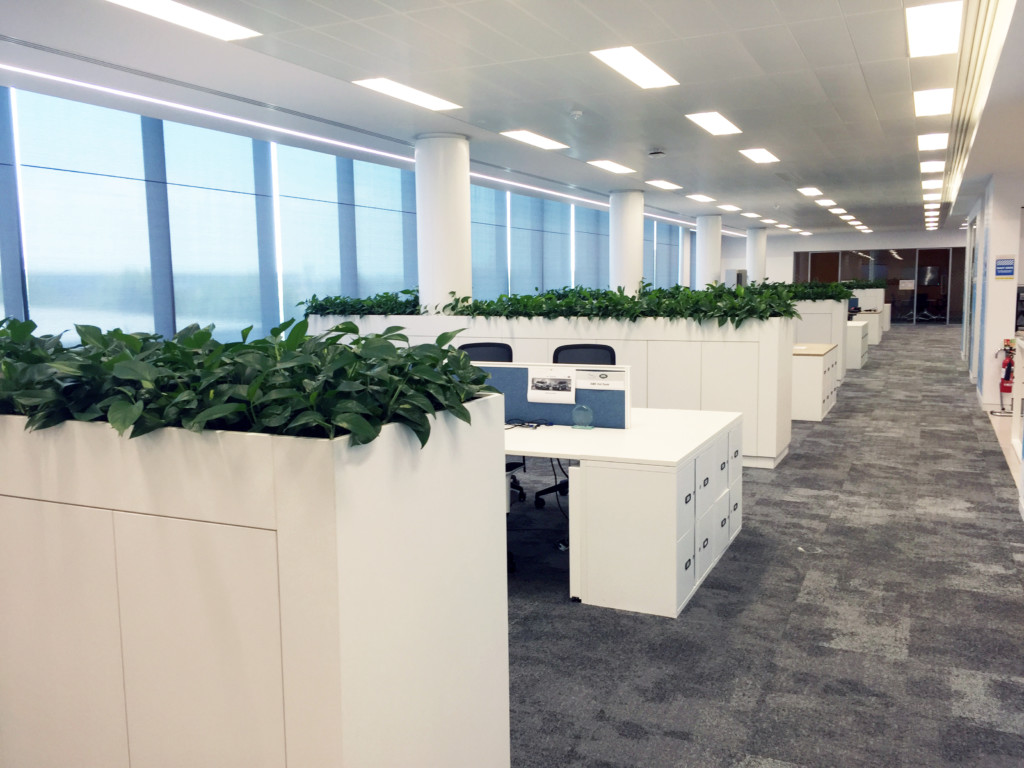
{"points": [[551, 385]]}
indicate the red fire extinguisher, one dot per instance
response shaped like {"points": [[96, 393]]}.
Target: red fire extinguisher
{"points": [[1006, 380]]}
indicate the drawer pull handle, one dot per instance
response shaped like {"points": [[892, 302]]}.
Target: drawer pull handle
{"points": [[705, 544], [706, 480], [736, 453], [725, 522], [687, 566], [688, 497], [735, 506], [723, 466]]}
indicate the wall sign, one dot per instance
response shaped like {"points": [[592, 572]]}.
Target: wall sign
{"points": [[1004, 269], [906, 285]]}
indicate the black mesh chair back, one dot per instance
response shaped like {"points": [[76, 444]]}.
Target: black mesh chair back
{"points": [[488, 352], [587, 354]]}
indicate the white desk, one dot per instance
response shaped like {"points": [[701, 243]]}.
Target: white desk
{"points": [[651, 508], [815, 380]]}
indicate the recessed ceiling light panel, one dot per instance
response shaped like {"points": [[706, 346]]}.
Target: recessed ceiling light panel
{"points": [[633, 65], [809, 191], [933, 166], [751, 215], [932, 206], [929, 196], [714, 123], [854, 223], [806, 234], [837, 210], [662, 184], [610, 165], [184, 16], [701, 198], [936, 101], [931, 184], [929, 141], [405, 93], [934, 29], [729, 208], [534, 139], [825, 202], [769, 221], [848, 217], [759, 155]]}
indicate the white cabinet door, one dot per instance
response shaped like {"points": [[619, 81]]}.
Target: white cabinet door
{"points": [[712, 472], [722, 538], [686, 573], [735, 453], [704, 543], [735, 509]]}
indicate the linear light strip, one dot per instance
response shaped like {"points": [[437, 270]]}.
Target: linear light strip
{"points": [[190, 18], [275, 196]]}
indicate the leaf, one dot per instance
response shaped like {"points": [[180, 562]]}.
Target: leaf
{"points": [[136, 370], [91, 336], [218, 411], [122, 413], [362, 430], [297, 335], [446, 338]]}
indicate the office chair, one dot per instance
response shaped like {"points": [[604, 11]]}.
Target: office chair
{"points": [[579, 354]]}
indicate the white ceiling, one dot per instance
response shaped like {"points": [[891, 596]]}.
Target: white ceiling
{"points": [[825, 85]]}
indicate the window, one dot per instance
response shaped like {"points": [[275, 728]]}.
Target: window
{"points": [[540, 240], [591, 248], [309, 226], [383, 223], [212, 210], [666, 273], [84, 222], [489, 236]]}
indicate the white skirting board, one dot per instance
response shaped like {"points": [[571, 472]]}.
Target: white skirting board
{"points": [[226, 599]]}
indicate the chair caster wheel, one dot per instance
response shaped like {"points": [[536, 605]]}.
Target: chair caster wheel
{"points": [[539, 502]]}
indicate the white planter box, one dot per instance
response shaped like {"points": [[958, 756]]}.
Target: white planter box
{"points": [[823, 322], [870, 298], [227, 599], [678, 364]]}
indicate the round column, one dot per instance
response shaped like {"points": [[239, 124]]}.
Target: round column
{"points": [[757, 253], [626, 240], [709, 251], [444, 255]]}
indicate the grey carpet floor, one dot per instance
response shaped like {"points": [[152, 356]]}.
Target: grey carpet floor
{"points": [[870, 613]]}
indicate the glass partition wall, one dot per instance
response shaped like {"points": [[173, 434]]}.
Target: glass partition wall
{"points": [[924, 285]]}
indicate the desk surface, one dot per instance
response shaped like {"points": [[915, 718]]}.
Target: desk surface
{"points": [[656, 436], [812, 350]]}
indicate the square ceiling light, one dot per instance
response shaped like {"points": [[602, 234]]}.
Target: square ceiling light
{"points": [[936, 101], [930, 196], [931, 184], [848, 217], [662, 184], [932, 206], [782, 226], [405, 93], [809, 191], [769, 221], [807, 233], [934, 29], [854, 223], [610, 165], [713, 123], [184, 16], [933, 166], [759, 155], [751, 215], [837, 210], [701, 198], [730, 208], [534, 139], [825, 202], [929, 141], [633, 65]]}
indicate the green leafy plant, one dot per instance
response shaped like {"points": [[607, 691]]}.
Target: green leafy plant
{"points": [[717, 302], [288, 383], [861, 284], [821, 291], [405, 302]]}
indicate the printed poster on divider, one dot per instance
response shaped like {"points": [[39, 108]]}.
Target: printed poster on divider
{"points": [[1004, 268]]}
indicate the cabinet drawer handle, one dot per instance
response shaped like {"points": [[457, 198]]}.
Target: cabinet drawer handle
{"points": [[705, 544], [687, 566], [723, 465], [725, 522], [688, 497], [706, 481], [736, 453], [735, 506]]}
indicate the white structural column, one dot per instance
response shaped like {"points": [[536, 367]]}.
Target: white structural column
{"points": [[757, 253], [684, 256], [709, 251], [626, 241], [444, 256]]}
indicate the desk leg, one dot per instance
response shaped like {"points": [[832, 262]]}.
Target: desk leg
{"points": [[577, 505]]}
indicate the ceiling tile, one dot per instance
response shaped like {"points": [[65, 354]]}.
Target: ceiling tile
{"points": [[878, 36], [803, 10], [742, 14], [425, 47], [689, 18], [825, 42], [631, 20], [572, 20], [887, 77], [515, 23], [799, 88], [851, 7], [451, 23], [356, 9], [933, 72], [303, 12], [705, 59], [405, 6], [318, 45], [773, 48], [894, 106]]}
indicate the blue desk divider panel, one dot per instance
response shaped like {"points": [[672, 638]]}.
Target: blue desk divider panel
{"points": [[609, 406]]}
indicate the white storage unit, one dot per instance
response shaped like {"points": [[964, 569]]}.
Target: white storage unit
{"points": [[870, 298], [650, 507], [856, 343], [874, 321], [815, 370], [823, 322], [886, 317]]}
